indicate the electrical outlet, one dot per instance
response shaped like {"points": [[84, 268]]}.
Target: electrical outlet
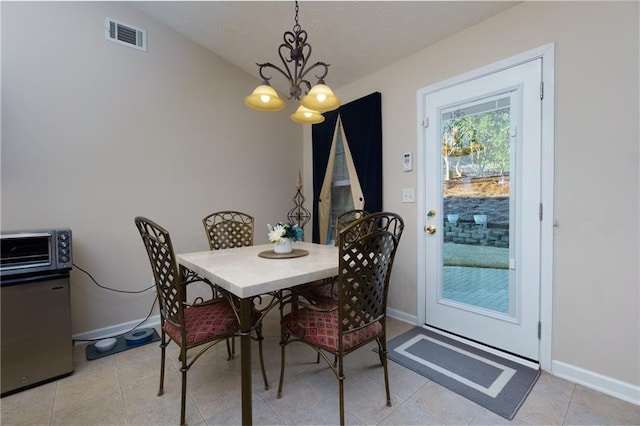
{"points": [[409, 195]]}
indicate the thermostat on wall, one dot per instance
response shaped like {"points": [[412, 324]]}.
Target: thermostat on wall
{"points": [[407, 162]]}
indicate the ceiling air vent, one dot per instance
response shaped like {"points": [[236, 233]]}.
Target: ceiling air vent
{"points": [[125, 34]]}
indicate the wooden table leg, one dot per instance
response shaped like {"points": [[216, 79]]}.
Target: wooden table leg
{"points": [[245, 359]]}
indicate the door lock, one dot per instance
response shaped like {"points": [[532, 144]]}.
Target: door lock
{"points": [[431, 213], [430, 229]]}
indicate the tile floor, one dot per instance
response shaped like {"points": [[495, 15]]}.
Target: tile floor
{"points": [[121, 390]]}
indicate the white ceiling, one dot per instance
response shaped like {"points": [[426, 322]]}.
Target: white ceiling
{"points": [[355, 37]]}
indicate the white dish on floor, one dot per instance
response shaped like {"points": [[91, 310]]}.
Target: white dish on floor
{"points": [[106, 344]]}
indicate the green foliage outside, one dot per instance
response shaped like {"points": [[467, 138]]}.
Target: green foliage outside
{"points": [[476, 145], [478, 142]]}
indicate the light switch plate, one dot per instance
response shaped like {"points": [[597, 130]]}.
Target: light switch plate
{"points": [[408, 195]]}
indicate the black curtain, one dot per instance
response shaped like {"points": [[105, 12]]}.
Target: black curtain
{"points": [[362, 123]]}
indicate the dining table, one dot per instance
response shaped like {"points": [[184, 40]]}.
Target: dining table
{"points": [[250, 272]]}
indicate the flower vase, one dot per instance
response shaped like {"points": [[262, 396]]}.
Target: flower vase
{"points": [[283, 246]]}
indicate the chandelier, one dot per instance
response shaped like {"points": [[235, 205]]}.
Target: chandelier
{"points": [[294, 53]]}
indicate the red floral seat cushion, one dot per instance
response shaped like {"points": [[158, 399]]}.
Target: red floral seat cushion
{"points": [[205, 323], [321, 329], [322, 294]]}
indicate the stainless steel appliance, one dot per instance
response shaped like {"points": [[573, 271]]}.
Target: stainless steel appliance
{"points": [[31, 252], [35, 341]]}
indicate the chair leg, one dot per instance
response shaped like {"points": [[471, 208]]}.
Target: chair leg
{"points": [[282, 345], [380, 350], [341, 385], [335, 359], [183, 401], [163, 346], [229, 353], [260, 339], [383, 357]]}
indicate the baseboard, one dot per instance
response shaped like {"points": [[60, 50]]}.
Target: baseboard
{"points": [[607, 385], [402, 316], [116, 330]]}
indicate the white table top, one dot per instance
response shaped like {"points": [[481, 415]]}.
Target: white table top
{"points": [[242, 272]]}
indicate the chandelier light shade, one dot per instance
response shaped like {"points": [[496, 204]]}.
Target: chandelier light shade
{"points": [[294, 53], [321, 98], [307, 116], [264, 98]]}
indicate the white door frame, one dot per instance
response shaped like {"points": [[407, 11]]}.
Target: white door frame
{"points": [[547, 53]]}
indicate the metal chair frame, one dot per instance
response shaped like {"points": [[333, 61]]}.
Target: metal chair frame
{"points": [[347, 218], [228, 229], [323, 294], [367, 249], [171, 285]]}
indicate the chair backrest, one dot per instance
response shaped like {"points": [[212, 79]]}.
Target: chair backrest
{"points": [[166, 274], [346, 218], [367, 249], [228, 229]]}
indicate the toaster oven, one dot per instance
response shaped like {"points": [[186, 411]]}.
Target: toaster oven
{"points": [[31, 252]]}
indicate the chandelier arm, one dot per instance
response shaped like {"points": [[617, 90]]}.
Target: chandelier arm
{"points": [[306, 83], [284, 61], [270, 65], [304, 53], [317, 64]]}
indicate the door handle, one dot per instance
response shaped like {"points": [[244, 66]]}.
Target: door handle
{"points": [[430, 229]]}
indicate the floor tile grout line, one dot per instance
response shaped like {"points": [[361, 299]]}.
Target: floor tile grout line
{"points": [[193, 401], [53, 404], [566, 413], [124, 404]]}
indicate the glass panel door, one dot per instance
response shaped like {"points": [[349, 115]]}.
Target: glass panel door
{"points": [[482, 194]]}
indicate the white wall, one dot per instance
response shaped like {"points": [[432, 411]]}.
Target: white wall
{"points": [[596, 323], [95, 133]]}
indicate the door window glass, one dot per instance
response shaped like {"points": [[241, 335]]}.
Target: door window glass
{"points": [[476, 165]]}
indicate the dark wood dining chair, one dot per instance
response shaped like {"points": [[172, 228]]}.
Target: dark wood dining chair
{"points": [[200, 324], [367, 248], [228, 229]]}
